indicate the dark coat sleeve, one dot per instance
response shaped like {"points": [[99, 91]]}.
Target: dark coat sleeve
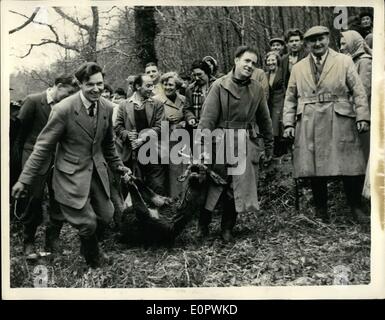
{"points": [[45, 145], [264, 123], [120, 128], [26, 117]]}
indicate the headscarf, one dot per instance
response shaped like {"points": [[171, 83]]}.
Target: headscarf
{"points": [[355, 43]]}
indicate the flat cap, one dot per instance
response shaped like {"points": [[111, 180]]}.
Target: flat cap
{"points": [[277, 40], [316, 31]]}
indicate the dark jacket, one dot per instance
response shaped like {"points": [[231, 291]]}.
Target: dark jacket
{"points": [[285, 65], [33, 117], [275, 101]]}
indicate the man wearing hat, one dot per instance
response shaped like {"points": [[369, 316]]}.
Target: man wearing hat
{"points": [[320, 115], [277, 44], [366, 23]]}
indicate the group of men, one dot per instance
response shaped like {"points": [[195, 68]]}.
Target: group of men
{"points": [[325, 109]]}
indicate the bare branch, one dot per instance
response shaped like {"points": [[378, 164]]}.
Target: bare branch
{"points": [[123, 53], [40, 78], [48, 41], [71, 19], [30, 19]]}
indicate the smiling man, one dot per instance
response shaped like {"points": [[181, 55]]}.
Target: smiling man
{"points": [[325, 109], [33, 116], [80, 130], [151, 69], [235, 102], [294, 42]]}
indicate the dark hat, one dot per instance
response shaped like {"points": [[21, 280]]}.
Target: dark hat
{"points": [[316, 31], [366, 14], [276, 40]]}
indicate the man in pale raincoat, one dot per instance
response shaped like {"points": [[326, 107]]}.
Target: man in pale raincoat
{"points": [[236, 104], [325, 109]]}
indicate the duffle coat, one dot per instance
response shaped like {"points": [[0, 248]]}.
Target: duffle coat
{"points": [[230, 106]]}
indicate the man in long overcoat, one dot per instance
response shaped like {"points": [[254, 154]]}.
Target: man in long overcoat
{"points": [[319, 113], [80, 130], [235, 104]]}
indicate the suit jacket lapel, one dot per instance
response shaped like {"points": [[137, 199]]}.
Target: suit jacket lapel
{"points": [[308, 72], [149, 108], [130, 113], [329, 63], [82, 118], [102, 117]]}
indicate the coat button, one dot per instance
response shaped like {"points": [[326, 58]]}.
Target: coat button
{"points": [[313, 91]]}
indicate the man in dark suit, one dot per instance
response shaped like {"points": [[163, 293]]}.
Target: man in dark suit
{"points": [[32, 118], [80, 129], [294, 43]]}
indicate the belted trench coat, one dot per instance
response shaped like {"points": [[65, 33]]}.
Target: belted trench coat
{"points": [[324, 116]]}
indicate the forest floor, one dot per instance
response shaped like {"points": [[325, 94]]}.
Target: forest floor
{"points": [[273, 247]]}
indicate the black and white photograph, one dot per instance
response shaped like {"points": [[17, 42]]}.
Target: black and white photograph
{"points": [[192, 146]]}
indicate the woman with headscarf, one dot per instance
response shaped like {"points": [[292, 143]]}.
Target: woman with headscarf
{"points": [[353, 44], [276, 99]]}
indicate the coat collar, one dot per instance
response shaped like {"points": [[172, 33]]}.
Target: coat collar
{"points": [[228, 84], [178, 104], [329, 63], [148, 107]]}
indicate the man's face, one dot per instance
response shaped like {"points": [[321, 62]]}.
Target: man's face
{"points": [[318, 45], [63, 91], [245, 65], [366, 22], [200, 76], [93, 87], [169, 87], [277, 46], [145, 90], [294, 44], [342, 45], [153, 72]]}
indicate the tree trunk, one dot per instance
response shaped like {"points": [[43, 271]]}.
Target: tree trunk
{"points": [[145, 32]]}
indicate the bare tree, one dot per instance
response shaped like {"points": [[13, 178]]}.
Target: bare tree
{"points": [[26, 23], [145, 32]]}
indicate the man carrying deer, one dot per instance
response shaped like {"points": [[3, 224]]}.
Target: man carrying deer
{"points": [[236, 104]]}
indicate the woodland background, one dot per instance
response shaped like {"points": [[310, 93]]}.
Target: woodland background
{"points": [[124, 39], [277, 245]]}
